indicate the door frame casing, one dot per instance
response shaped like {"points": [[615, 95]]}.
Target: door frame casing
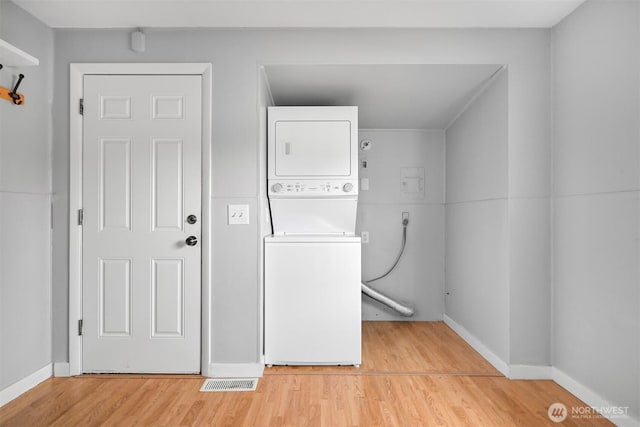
{"points": [[77, 71]]}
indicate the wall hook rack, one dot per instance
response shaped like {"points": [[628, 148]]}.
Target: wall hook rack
{"points": [[12, 95]]}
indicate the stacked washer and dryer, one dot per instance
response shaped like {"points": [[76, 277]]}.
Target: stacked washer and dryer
{"points": [[312, 260]]}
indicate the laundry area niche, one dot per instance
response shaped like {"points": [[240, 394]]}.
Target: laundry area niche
{"points": [[433, 145]]}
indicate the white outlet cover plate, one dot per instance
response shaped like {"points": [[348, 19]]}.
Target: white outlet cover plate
{"points": [[238, 214]]}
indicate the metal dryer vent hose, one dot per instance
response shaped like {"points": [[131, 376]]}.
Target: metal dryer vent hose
{"points": [[403, 309]]}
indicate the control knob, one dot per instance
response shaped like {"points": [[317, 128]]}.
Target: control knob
{"points": [[276, 188], [348, 187]]}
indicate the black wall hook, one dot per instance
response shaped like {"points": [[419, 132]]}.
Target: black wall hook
{"points": [[1, 66], [14, 93], [20, 77]]}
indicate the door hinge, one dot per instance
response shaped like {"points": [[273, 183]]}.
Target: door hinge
{"points": [[80, 327], [80, 216], [81, 107]]}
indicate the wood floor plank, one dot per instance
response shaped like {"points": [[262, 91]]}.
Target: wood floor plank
{"points": [[303, 400], [407, 347], [410, 393]]}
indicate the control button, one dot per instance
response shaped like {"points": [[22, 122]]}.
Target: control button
{"points": [[276, 188], [347, 187]]}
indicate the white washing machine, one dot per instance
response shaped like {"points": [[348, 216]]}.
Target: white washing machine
{"points": [[312, 300], [312, 261]]}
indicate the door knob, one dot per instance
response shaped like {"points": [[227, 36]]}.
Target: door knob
{"points": [[192, 219], [191, 241]]}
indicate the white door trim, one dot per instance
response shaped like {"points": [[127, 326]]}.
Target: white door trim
{"points": [[77, 73]]}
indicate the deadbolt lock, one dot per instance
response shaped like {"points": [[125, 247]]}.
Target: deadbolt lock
{"points": [[192, 219]]}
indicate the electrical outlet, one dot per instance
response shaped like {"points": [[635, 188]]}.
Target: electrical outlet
{"points": [[365, 236], [405, 215], [237, 214]]}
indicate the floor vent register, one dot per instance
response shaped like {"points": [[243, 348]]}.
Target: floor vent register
{"points": [[229, 384]]}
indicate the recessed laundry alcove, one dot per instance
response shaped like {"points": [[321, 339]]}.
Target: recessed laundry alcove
{"points": [[438, 151]]}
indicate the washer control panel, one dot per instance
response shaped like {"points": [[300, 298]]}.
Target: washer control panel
{"points": [[293, 188]]}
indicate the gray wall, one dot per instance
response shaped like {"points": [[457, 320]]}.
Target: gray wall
{"points": [[236, 56], [596, 185], [596, 141], [419, 277], [263, 214], [477, 222], [25, 202]]}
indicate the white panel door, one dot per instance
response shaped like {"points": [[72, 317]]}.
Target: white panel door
{"points": [[141, 181]]}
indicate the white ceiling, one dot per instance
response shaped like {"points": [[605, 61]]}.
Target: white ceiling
{"points": [[387, 96], [300, 13]]}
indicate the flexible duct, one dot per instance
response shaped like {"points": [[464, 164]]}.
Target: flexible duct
{"points": [[403, 309]]}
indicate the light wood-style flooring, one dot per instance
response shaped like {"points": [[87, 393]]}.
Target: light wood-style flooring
{"points": [[413, 374]]}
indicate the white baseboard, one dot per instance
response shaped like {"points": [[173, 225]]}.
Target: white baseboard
{"points": [[617, 414], [25, 384], [529, 372], [61, 369], [591, 398], [474, 342], [235, 370]]}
